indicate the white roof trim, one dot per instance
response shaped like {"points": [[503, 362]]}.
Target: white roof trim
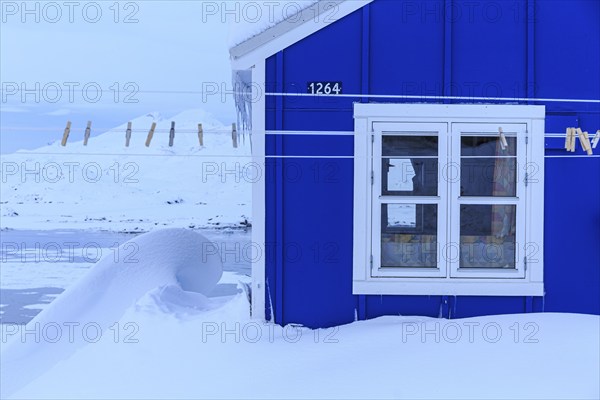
{"points": [[291, 30]]}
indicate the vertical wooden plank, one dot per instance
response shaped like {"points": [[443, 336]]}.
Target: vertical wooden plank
{"points": [[530, 49], [200, 135], [366, 89], [361, 307], [66, 134], [88, 131], [447, 85], [172, 134], [279, 181], [366, 50], [150, 134], [528, 304], [128, 134]]}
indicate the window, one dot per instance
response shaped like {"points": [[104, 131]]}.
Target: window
{"points": [[448, 201]]}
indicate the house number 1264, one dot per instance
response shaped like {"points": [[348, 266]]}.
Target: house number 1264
{"points": [[325, 87]]}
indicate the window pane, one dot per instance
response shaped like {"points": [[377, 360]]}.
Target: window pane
{"points": [[486, 169], [491, 177], [410, 146], [487, 236], [409, 177], [409, 235], [487, 146]]}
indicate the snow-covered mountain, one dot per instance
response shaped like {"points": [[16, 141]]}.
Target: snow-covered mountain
{"points": [[106, 185]]}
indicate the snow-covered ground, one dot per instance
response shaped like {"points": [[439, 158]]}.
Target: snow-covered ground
{"points": [[106, 185], [161, 327], [148, 330]]}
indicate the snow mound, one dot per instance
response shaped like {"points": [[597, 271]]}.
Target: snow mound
{"points": [[103, 185], [174, 301], [181, 263]]}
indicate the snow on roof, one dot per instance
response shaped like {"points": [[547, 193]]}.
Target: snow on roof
{"points": [[257, 17]]}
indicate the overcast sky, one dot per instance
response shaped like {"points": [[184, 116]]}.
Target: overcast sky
{"points": [[142, 55]]}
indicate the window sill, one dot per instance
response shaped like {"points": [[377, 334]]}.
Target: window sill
{"points": [[447, 287]]}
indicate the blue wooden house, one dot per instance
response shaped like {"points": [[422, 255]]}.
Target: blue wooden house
{"points": [[425, 158]]}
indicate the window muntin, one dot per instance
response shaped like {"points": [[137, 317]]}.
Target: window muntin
{"points": [[413, 237]]}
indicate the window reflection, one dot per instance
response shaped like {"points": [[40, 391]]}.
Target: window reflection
{"points": [[487, 236], [409, 235], [409, 166]]}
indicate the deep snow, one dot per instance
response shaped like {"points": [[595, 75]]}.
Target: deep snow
{"points": [[133, 331], [182, 263], [216, 351]]}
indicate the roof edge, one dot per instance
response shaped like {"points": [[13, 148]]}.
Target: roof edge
{"points": [[315, 13]]}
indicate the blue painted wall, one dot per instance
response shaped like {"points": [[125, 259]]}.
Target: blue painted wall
{"points": [[451, 47]]}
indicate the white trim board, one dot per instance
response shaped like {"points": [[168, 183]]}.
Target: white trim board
{"points": [[285, 33], [258, 198]]}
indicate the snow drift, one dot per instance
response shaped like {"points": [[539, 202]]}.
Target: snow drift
{"points": [[179, 266]]}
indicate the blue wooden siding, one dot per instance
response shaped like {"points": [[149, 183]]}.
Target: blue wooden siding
{"points": [[504, 49]]}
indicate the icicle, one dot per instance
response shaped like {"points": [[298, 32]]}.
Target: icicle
{"points": [[242, 85]]}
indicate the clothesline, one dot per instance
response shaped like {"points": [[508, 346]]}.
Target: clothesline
{"points": [[419, 97]]}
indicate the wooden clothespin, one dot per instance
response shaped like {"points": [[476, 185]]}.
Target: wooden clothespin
{"points": [[234, 136], [128, 134], [66, 134], [200, 135], [503, 142], [172, 134], [596, 139], [150, 134], [88, 131], [584, 139], [570, 140]]}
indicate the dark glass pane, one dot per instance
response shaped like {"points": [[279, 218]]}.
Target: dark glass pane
{"points": [[487, 236], [410, 146], [409, 176], [487, 146], [488, 177], [409, 235]]}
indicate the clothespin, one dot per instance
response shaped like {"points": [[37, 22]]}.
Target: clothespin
{"points": [[568, 140], [172, 134], [596, 139], [571, 139], [66, 134], [88, 130], [128, 134], [584, 139], [503, 142], [150, 134]]}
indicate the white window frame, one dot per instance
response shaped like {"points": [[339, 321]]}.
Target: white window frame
{"points": [[371, 120], [514, 130], [438, 130]]}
